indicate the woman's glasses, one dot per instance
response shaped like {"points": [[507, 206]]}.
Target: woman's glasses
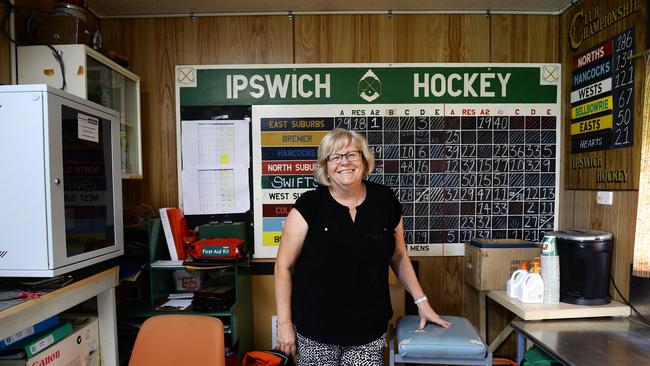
{"points": [[351, 156]]}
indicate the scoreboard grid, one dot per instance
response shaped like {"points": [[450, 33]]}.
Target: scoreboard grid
{"points": [[458, 177], [461, 178]]}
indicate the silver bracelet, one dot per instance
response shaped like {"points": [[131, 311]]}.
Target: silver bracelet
{"points": [[421, 299]]}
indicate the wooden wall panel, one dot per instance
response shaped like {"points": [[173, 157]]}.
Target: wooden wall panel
{"points": [[623, 158], [524, 38], [625, 226], [151, 49], [582, 207], [579, 207], [343, 38], [263, 310], [566, 209], [245, 40], [155, 47], [441, 38], [24, 7], [5, 50], [397, 296], [442, 281]]}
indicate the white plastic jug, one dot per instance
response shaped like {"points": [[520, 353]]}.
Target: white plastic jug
{"points": [[532, 288], [514, 283]]}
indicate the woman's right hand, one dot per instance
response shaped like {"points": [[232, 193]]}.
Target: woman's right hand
{"points": [[287, 339]]}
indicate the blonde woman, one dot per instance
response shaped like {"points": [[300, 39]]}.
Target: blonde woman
{"points": [[331, 272]]}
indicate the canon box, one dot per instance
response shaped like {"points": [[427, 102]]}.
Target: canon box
{"points": [[79, 348], [489, 262]]}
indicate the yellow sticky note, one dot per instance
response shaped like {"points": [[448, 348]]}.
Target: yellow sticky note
{"points": [[224, 159]]}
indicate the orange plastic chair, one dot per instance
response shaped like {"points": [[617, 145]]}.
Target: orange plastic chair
{"points": [[172, 340]]}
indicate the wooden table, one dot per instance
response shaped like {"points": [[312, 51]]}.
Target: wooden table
{"points": [[102, 285], [561, 310]]}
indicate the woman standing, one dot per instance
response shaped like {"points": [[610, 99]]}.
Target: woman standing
{"points": [[331, 272]]}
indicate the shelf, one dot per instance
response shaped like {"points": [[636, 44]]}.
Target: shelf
{"points": [[93, 76], [100, 285], [136, 310], [132, 309], [217, 265], [238, 319]]}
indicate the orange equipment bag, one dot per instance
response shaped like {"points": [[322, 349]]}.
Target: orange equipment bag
{"points": [[266, 358]]}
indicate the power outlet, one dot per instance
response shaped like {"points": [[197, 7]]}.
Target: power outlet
{"points": [[604, 198]]}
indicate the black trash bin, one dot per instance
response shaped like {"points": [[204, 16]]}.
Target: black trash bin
{"points": [[585, 260]]}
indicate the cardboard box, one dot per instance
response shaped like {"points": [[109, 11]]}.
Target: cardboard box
{"points": [[79, 348], [490, 262]]}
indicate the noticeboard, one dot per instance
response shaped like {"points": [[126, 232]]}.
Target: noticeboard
{"points": [[471, 150]]}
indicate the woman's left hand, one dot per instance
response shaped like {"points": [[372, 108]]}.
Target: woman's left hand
{"points": [[428, 314]]}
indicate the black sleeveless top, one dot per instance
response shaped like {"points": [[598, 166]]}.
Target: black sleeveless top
{"points": [[340, 290]]}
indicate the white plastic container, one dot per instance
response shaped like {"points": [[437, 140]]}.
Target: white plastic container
{"points": [[532, 288], [514, 283]]}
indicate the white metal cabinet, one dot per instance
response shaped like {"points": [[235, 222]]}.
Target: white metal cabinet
{"points": [[62, 194], [92, 76]]}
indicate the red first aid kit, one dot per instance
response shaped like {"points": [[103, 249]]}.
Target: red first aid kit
{"points": [[219, 248]]}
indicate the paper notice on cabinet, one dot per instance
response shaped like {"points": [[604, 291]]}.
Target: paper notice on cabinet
{"points": [[215, 163]]}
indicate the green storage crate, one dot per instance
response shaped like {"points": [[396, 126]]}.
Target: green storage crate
{"points": [[537, 357]]}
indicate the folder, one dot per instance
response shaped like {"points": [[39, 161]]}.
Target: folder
{"points": [[29, 331], [37, 343], [175, 228]]}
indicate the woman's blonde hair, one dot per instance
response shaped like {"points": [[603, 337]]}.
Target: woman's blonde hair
{"points": [[334, 141]]}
